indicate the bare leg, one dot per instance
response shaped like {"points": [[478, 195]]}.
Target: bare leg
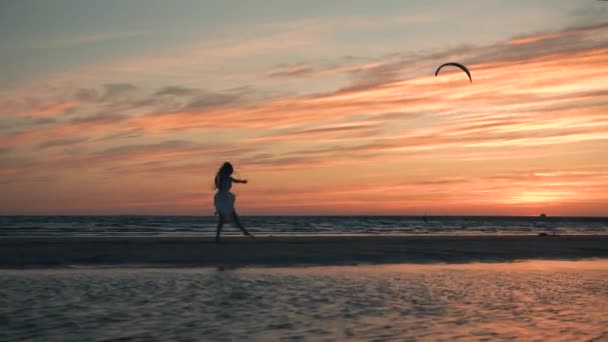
{"points": [[220, 223], [237, 222]]}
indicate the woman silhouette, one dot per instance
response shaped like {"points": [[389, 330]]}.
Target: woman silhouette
{"points": [[224, 199]]}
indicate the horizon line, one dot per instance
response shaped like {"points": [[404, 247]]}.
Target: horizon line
{"points": [[306, 215]]}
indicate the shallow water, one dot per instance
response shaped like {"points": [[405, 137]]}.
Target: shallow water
{"points": [[535, 300]]}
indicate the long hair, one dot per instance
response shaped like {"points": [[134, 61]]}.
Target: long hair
{"points": [[224, 171]]}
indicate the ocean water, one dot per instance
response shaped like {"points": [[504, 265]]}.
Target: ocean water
{"points": [[294, 225], [524, 301]]}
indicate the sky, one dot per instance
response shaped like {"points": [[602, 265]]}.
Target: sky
{"points": [[130, 107]]}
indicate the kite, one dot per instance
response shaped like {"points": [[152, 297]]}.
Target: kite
{"points": [[464, 68]]}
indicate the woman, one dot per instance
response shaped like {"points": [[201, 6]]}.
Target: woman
{"points": [[224, 199]]}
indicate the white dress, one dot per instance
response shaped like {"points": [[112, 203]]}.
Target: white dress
{"points": [[224, 199]]}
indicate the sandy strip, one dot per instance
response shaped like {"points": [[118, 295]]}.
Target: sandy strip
{"points": [[285, 251]]}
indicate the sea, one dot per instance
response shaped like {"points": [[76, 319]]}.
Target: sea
{"points": [[520, 301], [529, 300], [297, 225]]}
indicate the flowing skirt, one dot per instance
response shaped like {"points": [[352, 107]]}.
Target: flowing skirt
{"points": [[224, 203]]}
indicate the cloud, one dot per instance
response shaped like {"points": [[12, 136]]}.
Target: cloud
{"points": [[99, 118], [206, 100], [531, 128], [60, 142], [348, 131], [44, 121], [176, 91], [124, 160], [38, 107], [118, 91], [128, 150], [532, 193], [231, 109], [527, 89], [355, 67], [86, 95], [566, 33], [522, 48], [293, 70]]}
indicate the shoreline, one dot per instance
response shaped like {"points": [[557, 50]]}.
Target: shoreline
{"points": [[50, 252]]}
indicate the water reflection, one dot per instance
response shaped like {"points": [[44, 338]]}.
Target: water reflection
{"points": [[544, 300]]}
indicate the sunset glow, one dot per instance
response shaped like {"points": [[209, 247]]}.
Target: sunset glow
{"points": [[328, 111]]}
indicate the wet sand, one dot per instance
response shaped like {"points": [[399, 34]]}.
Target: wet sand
{"points": [[290, 251], [522, 301]]}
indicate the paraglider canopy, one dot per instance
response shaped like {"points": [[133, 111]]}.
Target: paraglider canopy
{"points": [[458, 65]]}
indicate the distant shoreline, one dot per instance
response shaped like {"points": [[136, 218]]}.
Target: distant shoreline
{"points": [[547, 217], [30, 252]]}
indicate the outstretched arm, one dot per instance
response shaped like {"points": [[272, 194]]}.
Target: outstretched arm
{"points": [[244, 181]]}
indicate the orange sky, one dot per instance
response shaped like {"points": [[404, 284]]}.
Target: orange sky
{"points": [[529, 135]]}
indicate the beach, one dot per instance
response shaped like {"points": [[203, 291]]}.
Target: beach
{"points": [[322, 288], [24, 252]]}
